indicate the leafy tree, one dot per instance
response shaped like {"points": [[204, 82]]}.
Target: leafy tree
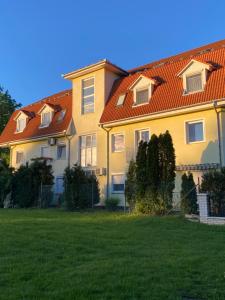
{"points": [[213, 182], [153, 164], [28, 181], [130, 185], [7, 106], [188, 194], [167, 167], [6, 176], [141, 174], [80, 190]]}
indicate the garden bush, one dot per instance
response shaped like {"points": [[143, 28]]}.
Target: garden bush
{"points": [[150, 204], [112, 203], [188, 194]]}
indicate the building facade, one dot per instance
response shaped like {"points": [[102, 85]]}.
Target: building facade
{"points": [[100, 121]]}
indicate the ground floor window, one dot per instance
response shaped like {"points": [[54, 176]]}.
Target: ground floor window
{"points": [[59, 188], [19, 157], [118, 183], [88, 150], [194, 131]]}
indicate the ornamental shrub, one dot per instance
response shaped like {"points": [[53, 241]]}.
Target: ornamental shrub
{"points": [[188, 194], [112, 203]]}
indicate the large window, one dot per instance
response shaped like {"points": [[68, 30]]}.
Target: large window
{"points": [[45, 152], [61, 152], [46, 118], [142, 96], [194, 131], [20, 124], [19, 157], [88, 95], [194, 83], [118, 142], [88, 150], [118, 183], [141, 135]]}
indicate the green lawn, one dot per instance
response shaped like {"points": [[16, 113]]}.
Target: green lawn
{"points": [[50, 254]]}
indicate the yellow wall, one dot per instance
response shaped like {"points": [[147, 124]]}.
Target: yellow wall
{"points": [[33, 150], [195, 153]]}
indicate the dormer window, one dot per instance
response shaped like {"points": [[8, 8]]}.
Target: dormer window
{"points": [[194, 83], [46, 112], [143, 88], [194, 76], [20, 124], [21, 120]]}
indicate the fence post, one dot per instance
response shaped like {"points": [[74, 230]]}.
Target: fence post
{"points": [[203, 207]]}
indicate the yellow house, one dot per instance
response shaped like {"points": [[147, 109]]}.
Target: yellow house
{"points": [[100, 122]]}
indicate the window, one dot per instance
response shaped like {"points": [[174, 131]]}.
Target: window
{"points": [[194, 83], [61, 152], [194, 131], [118, 183], [61, 116], [88, 95], [121, 99], [46, 118], [59, 188], [19, 157], [45, 151], [141, 135], [20, 124], [88, 150], [142, 96], [118, 142]]}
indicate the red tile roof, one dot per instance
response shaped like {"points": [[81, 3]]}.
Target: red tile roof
{"points": [[61, 101], [169, 94]]}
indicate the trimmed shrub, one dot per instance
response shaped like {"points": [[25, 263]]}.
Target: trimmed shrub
{"points": [[188, 194], [112, 203], [80, 190], [213, 182], [150, 204], [130, 185]]}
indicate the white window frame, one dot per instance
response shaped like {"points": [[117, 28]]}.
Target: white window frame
{"points": [[57, 153], [45, 146], [112, 142], [202, 83], [112, 189], [51, 115], [135, 135], [121, 96], [186, 130], [17, 122], [80, 148], [22, 161], [83, 97]]}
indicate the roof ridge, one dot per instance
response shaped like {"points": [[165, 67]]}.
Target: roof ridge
{"points": [[189, 54]]}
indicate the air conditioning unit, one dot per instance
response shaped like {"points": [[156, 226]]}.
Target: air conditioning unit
{"points": [[101, 171], [52, 141]]}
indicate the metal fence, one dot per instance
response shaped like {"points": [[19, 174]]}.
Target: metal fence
{"points": [[216, 207]]}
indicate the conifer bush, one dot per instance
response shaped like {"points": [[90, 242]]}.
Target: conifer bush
{"points": [[188, 194]]}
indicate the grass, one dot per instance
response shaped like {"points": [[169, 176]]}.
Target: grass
{"points": [[50, 254]]}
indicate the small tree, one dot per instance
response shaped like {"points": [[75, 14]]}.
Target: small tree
{"points": [[130, 185], [141, 178], [167, 167], [213, 182], [188, 194], [153, 165], [5, 181], [80, 190]]}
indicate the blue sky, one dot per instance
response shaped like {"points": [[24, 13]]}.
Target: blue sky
{"points": [[40, 40]]}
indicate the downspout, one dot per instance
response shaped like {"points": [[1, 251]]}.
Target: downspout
{"points": [[69, 150], [218, 132], [107, 159]]}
